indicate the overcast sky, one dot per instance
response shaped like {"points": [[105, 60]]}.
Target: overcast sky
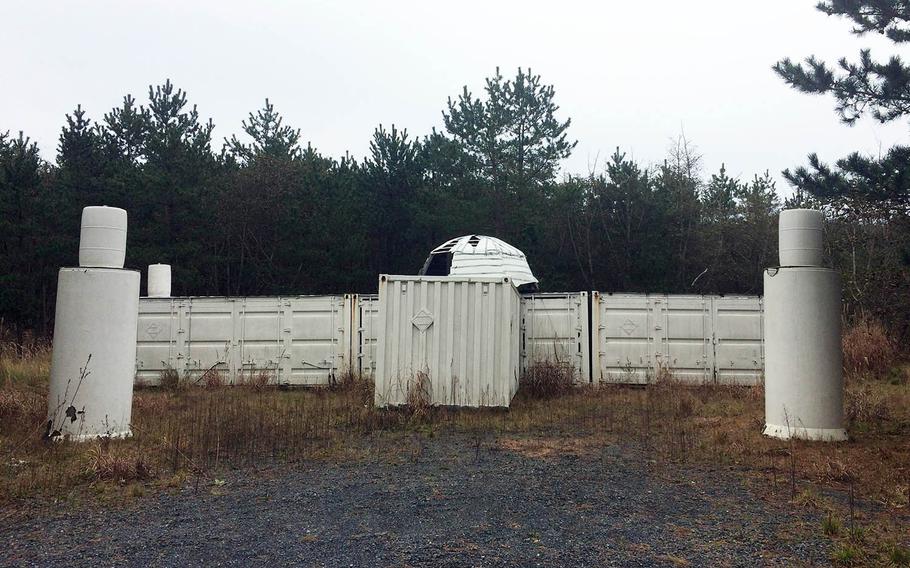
{"points": [[629, 74]]}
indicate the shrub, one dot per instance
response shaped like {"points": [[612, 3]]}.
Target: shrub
{"points": [[213, 378], [546, 379], [169, 379], [358, 386], [865, 403], [868, 349], [105, 463], [21, 405], [418, 398], [257, 380]]}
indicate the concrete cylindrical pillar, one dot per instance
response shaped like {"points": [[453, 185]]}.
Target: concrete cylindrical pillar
{"points": [[801, 237], [159, 281], [102, 238], [803, 360], [94, 358]]}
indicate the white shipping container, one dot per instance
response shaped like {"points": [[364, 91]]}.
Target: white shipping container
{"points": [[160, 338], [696, 339], [459, 335], [298, 340], [739, 349], [554, 329]]}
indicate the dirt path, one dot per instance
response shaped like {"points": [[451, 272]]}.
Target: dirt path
{"points": [[513, 502]]}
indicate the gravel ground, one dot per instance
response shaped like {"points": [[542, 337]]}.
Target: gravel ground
{"points": [[441, 503]]}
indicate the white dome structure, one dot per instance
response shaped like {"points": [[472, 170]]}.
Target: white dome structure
{"points": [[478, 255]]}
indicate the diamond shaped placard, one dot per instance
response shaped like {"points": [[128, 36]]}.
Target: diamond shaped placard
{"points": [[422, 320]]}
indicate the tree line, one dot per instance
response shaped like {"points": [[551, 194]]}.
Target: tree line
{"points": [[264, 213]]}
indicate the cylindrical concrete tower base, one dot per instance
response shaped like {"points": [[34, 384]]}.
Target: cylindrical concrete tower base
{"points": [[804, 382], [159, 281], [94, 356]]}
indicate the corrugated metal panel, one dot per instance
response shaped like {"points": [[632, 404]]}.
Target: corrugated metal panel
{"points": [[461, 334], [738, 339], [257, 341], [682, 332], [366, 329], [624, 347], [554, 328], [698, 339], [210, 331], [301, 340], [159, 338], [319, 334]]}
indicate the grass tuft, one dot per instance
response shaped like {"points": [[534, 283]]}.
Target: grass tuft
{"points": [[116, 463], [547, 379], [830, 525], [418, 398], [899, 556], [846, 554]]}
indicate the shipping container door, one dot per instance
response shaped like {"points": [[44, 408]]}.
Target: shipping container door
{"points": [[554, 328], [367, 330], [624, 343], [738, 348], [209, 336], [682, 338], [259, 333], [156, 338], [318, 331]]}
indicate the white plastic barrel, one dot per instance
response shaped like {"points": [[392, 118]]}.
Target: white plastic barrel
{"points": [[102, 240], [804, 385], [159, 281], [802, 237], [94, 355]]}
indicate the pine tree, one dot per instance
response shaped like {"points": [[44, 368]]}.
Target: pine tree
{"points": [[856, 178], [269, 137], [719, 197], [867, 198], [393, 176], [514, 134], [81, 164], [124, 130], [26, 219], [866, 85], [863, 87]]}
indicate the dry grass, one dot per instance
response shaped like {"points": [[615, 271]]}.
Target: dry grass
{"points": [[869, 351], [258, 379], [104, 463], [188, 431], [171, 380], [547, 379], [418, 399], [23, 385]]}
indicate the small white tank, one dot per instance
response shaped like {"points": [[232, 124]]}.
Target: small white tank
{"points": [[804, 385], [97, 315], [802, 237], [159, 281], [102, 240]]}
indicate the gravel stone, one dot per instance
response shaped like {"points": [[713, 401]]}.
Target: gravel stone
{"points": [[445, 505]]}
